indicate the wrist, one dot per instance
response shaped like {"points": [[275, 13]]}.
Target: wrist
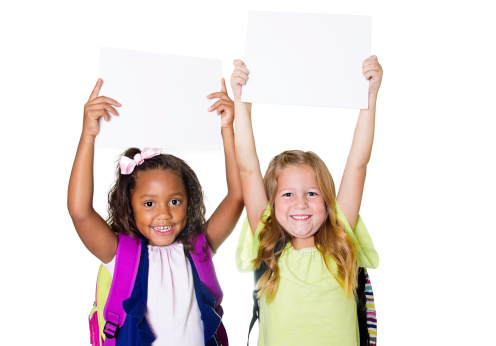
{"points": [[226, 130], [88, 137]]}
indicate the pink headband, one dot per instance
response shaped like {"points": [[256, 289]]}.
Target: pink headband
{"points": [[127, 165]]}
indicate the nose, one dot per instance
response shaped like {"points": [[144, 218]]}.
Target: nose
{"points": [[164, 213], [300, 203]]}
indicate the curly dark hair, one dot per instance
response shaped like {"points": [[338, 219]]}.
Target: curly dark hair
{"points": [[120, 210]]}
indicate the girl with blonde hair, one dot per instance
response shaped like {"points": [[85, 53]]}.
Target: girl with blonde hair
{"points": [[311, 240]]}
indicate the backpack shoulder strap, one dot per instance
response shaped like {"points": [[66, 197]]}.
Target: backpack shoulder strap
{"points": [[205, 268], [126, 267], [257, 275], [366, 315]]}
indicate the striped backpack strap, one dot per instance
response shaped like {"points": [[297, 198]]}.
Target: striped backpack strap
{"points": [[367, 321], [370, 308], [126, 267]]}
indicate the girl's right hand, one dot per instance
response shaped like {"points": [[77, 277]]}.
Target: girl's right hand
{"points": [[238, 78], [96, 107]]}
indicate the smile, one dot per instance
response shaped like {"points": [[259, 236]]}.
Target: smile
{"points": [[300, 217], [162, 229]]}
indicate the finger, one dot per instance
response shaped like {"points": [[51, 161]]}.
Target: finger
{"points": [[225, 109], [238, 80], [106, 116], [242, 68], [223, 85], [96, 89], [240, 73], [216, 105], [238, 62], [370, 59], [371, 75], [95, 114], [372, 65], [367, 69], [219, 95], [104, 106], [105, 99]]}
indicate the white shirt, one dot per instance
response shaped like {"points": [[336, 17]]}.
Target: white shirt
{"points": [[172, 310]]}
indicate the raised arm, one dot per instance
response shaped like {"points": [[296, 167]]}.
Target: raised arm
{"points": [[96, 235], [351, 189], [224, 219], [246, 154]]}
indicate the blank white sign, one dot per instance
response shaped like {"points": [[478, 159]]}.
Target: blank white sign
{"points": [[307, 59], [163, 99]]}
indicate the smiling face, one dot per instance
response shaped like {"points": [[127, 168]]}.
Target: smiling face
{"points": [[299, 206], [159, 203]]}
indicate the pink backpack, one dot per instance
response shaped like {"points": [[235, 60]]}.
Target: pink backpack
{"points": [[108, 315]]}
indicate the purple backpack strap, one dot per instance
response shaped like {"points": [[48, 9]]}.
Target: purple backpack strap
{"points": [[127, 260], [205, 268], [206, 271]]}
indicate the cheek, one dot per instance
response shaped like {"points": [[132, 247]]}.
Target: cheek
{"points": [[182, 213], [322, 212], [280, 212]]}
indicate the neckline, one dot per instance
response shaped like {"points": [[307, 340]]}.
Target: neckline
{"points": [[303, 250], [171, 245]]}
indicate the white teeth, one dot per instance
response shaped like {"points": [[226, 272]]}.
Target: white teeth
{"points": [[297, 217], [162, 228]]}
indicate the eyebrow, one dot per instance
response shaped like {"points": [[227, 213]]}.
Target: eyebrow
{"points": [[146, 195]]}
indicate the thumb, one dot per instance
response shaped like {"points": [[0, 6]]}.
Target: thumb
{"points": [[223, 85], [96, 89]]}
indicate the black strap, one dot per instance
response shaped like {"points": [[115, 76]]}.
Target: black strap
{"points": [[257, 275], [361, 302]]}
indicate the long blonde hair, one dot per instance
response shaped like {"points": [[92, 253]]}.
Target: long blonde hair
{"points": [[331, 240]]}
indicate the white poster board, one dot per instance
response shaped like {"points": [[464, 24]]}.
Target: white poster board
{"points": [[307, 59], [164, 100]]}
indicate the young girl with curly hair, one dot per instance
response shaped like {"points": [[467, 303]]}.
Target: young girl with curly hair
{"points": [[158, 198], [293, 213]]}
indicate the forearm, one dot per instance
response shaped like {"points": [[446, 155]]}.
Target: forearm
{"points": [[232, 171], [363, 137], [246, 152], [80, 192], [226, 216]]}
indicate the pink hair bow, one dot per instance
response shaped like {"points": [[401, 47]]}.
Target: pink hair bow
{"points": [[127, 165]]}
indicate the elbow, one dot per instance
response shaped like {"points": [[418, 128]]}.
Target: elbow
{"points": [[77, 212], [358, 164]]}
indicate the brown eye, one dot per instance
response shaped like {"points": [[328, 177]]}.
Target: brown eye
{"points": [[149, 204], [175, 202]]}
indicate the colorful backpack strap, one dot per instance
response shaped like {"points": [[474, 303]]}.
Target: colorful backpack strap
{"points": [[367, 321], [126, 267], [371, 314]]}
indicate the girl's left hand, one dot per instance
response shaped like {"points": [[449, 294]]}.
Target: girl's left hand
{"points": [[372, 71], [224, 106]]}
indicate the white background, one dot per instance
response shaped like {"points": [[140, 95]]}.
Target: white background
{"points": [[429, 197]]}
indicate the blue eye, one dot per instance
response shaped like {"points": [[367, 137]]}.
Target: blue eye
{"points": [[287, 194], [175, 202], [149, 204], [312, 194]]}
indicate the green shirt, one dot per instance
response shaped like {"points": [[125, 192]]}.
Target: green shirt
{"points": [[310, 307]]}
